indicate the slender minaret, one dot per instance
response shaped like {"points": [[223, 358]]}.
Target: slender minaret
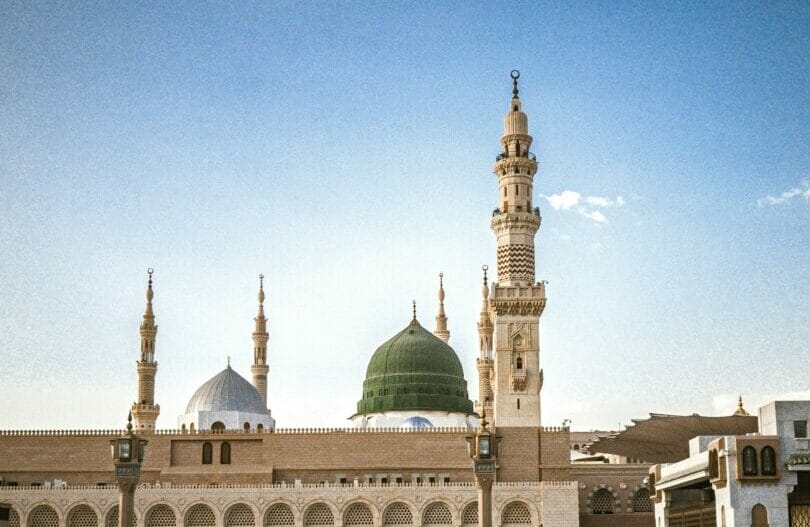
{"points": [[144, 410], [516, 300], [441, 319], [260, 337], [484, 361]]}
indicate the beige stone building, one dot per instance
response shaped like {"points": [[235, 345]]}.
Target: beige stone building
{"points": [[405, 461]]}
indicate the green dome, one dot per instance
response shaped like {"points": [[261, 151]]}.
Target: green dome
{"points": [[414, 370]]}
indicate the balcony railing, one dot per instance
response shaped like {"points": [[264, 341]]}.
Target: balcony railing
{"points": [[504, 155]]}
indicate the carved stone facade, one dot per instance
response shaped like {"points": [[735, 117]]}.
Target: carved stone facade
{"points": [[525, 504]]}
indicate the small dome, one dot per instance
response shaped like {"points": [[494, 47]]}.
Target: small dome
{"points": [[414, 370], [226, 391], [417, 422]]}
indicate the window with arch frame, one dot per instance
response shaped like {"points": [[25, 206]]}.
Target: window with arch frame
{"points": [[602, 502], [749, 461], [768, 460], [225, 453], [207, 453]]}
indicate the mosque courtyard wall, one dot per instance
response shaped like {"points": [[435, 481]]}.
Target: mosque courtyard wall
{"points": [[552, 504]]}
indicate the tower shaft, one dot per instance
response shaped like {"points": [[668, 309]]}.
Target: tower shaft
{"points": [[259, 369], [144, 410], [516, 300]]}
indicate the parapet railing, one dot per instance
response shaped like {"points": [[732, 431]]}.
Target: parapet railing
{"points": [[164, 486], [111, 432]]}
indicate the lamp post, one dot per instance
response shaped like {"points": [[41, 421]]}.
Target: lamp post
{"points": [[483, 449], [128, 452]]}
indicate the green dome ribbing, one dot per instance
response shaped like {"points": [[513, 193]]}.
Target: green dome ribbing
{"points": [[414, 370]]}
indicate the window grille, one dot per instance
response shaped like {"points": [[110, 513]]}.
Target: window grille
{"points": [[642, 501], [161, 516], [240, 515], [13, 519], [800, 516], [43, 516], [437, 514], [200, 516], [112, 518], [397, 514], [358, 514], [768, 458], [470, 514], [82, 516], [749, 461], [602, 502], [319, 514], [279, 514], [516, 512]]}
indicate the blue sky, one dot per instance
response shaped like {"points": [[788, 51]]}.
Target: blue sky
{"points": [[345, 151]]}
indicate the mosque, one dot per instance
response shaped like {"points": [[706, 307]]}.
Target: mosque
{"points": [[404, 460]]}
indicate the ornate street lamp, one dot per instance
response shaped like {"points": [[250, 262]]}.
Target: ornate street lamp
{"points": [[128, 452], [483, 449]]}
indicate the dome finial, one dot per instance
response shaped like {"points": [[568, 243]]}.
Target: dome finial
{"points": [[261, 290], [413, 303], [149, 293], [740, 410], [129, 421], [485, 268], [515, 74], [229, 362]]}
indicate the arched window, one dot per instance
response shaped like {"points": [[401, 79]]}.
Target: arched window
{"points": [[200, 515], [469, 517], [516, 513], [519, 363], [246, 426], [259, 427], [759, 516], [183, 428], [219, 426], [208, 453], [82, 516], [191, 428], [397, 514], [714, 466], [602, 502], [240, 515], [437, 513], [749, 461], [225, 454], [358, 514], [768, 458], [160, 516], [112, 518], [13, 518], [642, 501], [279, 514], [43, 516], [319, 514]]}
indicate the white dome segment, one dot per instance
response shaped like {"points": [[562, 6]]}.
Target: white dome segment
{"points": [[226, 401]]}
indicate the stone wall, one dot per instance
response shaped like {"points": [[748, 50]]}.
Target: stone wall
{"points": [[622, 482], [547, 504]]}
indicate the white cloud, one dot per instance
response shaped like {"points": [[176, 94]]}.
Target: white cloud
{"points": [[786, 196], [594, 215], [584, 206], [564, 200]]}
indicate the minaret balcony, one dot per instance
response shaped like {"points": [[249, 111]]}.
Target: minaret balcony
{"points": [[518, 379], [504, 155]]}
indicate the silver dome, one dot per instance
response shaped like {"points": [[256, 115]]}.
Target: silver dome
{"points": [[227, 391]]}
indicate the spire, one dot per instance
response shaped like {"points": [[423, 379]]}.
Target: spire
{"points": [[148, 327], [441, 319], [260, 336], [413, 320], [740, 410]]}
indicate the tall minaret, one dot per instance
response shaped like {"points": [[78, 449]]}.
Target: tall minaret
{"points": [[441, 319], [260, 337], [516, 300], [484, 361], [144, 410]]}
